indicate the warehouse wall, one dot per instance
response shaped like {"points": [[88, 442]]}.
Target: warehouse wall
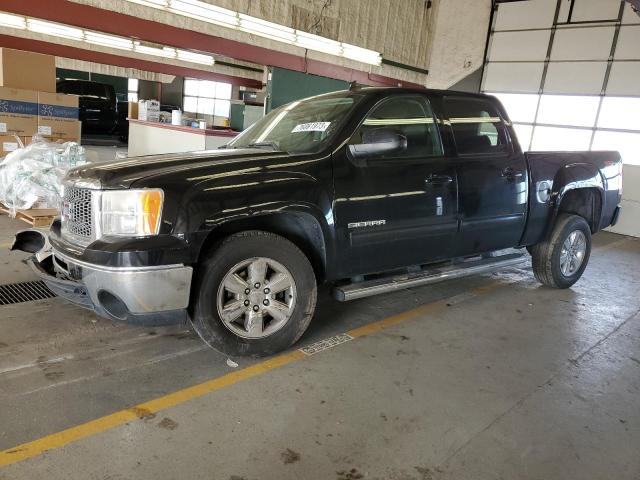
{"points": [[457, 41], [567, 72], [285, 86], [402, 30], [397, 28]]}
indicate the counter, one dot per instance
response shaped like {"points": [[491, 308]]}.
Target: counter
{"points": [[149, 138]]}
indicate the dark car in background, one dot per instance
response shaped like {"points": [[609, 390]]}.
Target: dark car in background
{"points": [[97, 102]]}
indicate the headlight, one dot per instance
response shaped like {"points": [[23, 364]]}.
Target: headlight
{"points": [[132, 213]]}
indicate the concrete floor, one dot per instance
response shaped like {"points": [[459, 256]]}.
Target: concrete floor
{"points": [[499, 378]]}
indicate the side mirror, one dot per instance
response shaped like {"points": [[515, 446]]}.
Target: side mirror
{"points": [[378, 142]]}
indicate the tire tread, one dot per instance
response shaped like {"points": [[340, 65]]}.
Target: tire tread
{"points": [[542, 254]]}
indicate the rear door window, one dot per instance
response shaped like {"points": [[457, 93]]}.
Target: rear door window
{"points": [[477, 126]]}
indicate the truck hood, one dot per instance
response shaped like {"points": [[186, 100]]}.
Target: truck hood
{"points": [[123, 173]]}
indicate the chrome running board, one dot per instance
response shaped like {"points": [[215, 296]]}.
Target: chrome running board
{"points": [[427, 276]]}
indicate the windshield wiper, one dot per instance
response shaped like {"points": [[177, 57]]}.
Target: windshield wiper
{"points": [[269, 144]]}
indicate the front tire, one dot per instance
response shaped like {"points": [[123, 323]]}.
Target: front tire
{"points": [[560, 260], [255, 295]]}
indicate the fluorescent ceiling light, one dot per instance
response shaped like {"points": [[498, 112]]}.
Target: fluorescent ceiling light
{"points": [[188, 56], [108, 40], [166, 52], [361, 54], [96, 38], [50, 28], [13, 21], [316, 42], [152, 3], [256, 26], [204, 11]]}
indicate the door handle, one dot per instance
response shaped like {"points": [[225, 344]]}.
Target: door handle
{"points": [[510, 173], [438, 179]]}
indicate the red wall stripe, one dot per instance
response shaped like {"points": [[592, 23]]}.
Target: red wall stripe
{"points": [[120, 61]]}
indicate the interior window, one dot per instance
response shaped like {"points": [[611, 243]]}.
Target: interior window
{"points": [[477, 126], [412, 118], [69, 87]]}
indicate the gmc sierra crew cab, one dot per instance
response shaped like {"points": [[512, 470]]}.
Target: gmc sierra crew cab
{"points": [[368, 190]]}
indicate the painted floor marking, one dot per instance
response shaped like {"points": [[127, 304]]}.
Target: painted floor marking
{"points": [[144, 410], [325, 344]]}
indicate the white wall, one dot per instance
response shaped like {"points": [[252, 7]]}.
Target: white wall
{"points": [[629, 223]]}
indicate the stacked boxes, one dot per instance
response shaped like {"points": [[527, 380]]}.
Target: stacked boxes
{"points": [[25, 111], [18, 112], [9, 143], [58, 116]]}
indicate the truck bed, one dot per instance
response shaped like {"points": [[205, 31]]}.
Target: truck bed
{"points": [[600, 170]]}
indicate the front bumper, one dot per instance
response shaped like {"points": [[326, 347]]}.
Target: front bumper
{"points": [[157, 295]]}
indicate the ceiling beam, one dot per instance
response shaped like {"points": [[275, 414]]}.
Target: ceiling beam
{"points": [[65, 51], [107, 21]]}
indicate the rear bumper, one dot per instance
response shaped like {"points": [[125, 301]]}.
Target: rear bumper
{"points": [[156, 295]]}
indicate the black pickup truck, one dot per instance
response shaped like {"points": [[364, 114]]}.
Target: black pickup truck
{"points": [[368, 190]]}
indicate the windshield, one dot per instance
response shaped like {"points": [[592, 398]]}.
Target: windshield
{"points": [[305, 126]]}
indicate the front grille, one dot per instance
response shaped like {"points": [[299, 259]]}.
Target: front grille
{"points": [[77, 215]]}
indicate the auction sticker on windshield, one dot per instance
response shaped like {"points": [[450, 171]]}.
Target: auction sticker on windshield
{"points": [[311, 127]]}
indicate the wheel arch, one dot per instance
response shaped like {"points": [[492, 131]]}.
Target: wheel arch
{"points": [[586, 202], [580, 190], [302, 228]]}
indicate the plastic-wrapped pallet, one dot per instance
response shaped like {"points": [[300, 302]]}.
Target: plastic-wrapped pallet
{"points": [[31, 176]]}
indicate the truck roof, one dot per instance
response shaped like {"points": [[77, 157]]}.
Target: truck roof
{"points": [[380, 91]]}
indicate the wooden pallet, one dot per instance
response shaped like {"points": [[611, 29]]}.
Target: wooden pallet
{"points": [[36, 217]]}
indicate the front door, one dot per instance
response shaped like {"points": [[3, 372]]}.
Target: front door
{"points": [[492, 178], [398, 207]]}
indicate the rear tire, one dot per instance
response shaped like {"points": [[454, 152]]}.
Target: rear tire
{"points": [[560, 260], [239, 323]]}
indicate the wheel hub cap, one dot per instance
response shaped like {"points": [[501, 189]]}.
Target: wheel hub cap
{"points": [[256, 297], [573, 251]]}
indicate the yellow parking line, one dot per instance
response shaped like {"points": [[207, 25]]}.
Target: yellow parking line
{"points": [[147, 409], [140, 411]]}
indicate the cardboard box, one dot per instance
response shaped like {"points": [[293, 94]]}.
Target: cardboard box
{"points": [[10, 143], [149, 110], [18, 112], [27, 70], [132, 110], [58, 116]]}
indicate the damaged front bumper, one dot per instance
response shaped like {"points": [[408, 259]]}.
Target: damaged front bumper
{"points": [[154, 295]]}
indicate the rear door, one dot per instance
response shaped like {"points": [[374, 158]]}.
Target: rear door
{"points": [[492, 177], [395, 209]]}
